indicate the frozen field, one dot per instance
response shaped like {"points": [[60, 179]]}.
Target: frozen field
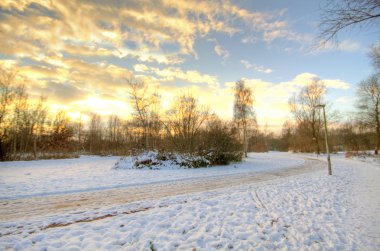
{"points": [[310, 211]]}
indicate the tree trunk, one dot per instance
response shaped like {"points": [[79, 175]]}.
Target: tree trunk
{"points": [[377, 127], [315, 137], [2, 157], [317, 142], [146, 137], [15, 145], [377, 135], [35, 147], [245, 145]]}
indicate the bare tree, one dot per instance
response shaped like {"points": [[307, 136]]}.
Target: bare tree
{"points": [[20, 120], [351, 135], [154, 122], [286, 136], [368, 104], [62, 131], [339, 15], [303, 108], [243, 110], [38, 114], [184, 122], [95, 133], [141, 102], [114, 129], [78, 127], [7, 87]]}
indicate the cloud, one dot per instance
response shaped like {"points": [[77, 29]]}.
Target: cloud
{"points": [[174, 74], [336, 84], [246, 64], [272, 98], [63, 93], [258, 68], [348, 45], [140, 68], [221, 52], [7, 64], [70, 79], [136, 29], [287, 34], [344, 46], [344, 100], [67, 26], [263, 69], [249, 40], [269, 26], [305, 78]]}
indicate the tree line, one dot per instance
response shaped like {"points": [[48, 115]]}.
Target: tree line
{"points": [[29, 130]]}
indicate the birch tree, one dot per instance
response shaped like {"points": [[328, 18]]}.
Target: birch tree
{"points": [[243, 110]]}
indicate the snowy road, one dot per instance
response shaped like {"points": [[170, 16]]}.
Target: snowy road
{"points": [[26, 208]]}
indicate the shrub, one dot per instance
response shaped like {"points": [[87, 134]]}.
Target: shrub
{"points": [[194, 162], [164, 160], [222, 158]]}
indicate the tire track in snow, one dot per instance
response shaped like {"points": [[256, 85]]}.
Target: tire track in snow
{"points": [[27, 208]]}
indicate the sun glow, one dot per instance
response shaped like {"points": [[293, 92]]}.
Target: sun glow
{"points": [[106, 107], [78, 116]]}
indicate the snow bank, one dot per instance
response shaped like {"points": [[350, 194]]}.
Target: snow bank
{"points": [[365, 156]]}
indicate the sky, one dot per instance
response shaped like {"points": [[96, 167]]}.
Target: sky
{"points": [[80, 54]]}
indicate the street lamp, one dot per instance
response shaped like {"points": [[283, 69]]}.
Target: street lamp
{"points": [[326, 137]]}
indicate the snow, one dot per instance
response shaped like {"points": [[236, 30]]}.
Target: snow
{"points": [[160, 161], [88, 173], [367, 157], [311, 211]]}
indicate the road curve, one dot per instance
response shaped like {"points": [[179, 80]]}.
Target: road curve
{"points": [[26, 208]]}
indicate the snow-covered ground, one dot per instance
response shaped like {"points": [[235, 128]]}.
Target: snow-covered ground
{"points": [[310, 211], [89, 173]]}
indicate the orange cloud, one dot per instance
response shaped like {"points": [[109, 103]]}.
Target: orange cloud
{"points": [[173, 74], [104, 29]]}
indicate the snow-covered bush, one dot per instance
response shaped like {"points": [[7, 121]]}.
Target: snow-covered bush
{"points": [[156, 160]]}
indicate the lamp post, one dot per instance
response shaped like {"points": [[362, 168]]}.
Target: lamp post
{"points": [[326, 137]]}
